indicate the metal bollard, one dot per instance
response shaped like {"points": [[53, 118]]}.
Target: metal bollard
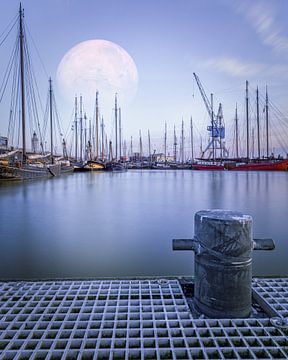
{"points": [[223, 245]]}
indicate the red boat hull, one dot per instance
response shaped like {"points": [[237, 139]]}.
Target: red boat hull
{"points": [[280, 165], [207, 167]]}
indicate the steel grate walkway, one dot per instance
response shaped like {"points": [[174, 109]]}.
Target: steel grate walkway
{"points": [[137, 319], [275, 293]]}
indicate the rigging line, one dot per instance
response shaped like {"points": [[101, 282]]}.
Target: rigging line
{"points": [[14, 99], [33, 79], [276, 108], [33, 42], [280, 134], [33, 83], [70, 124], [15, 19], [281, 117], [8, 71], [57, 114]]}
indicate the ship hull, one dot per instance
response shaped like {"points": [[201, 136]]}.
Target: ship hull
{"points": [[281, 165], [28, 172], [207, 167]]}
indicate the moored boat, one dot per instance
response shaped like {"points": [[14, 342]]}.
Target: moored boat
{"points": [[269, 165], [214, 167], [17, 165], [114, 166]]}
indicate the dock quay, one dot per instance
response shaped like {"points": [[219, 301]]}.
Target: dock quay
{"points": [[136, 319]]}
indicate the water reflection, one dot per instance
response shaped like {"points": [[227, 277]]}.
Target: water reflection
{"points": [[122, 224]]}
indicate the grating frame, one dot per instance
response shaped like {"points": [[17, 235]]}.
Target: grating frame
{"points": [[275, 292], [127, 319]]}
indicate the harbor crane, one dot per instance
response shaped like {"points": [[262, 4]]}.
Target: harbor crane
{"points": [[216, 129]]}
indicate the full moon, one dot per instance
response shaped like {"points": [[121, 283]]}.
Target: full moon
{"points": [[97, 65]]}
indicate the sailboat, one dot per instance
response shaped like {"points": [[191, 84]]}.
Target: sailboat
{"points": [[89, 163], [19, 166], [115, 164], [217, 137], [268, 163]]}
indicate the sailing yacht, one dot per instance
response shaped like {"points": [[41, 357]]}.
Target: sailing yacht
{"points": [[18, 166]]}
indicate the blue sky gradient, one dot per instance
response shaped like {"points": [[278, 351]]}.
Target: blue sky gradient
{"points": [[225, 42]]}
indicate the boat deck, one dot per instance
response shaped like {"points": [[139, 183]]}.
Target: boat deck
{"points": [[134, 319]]}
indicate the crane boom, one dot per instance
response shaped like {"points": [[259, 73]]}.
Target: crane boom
{"points": [[204, 96], [216, 129]]}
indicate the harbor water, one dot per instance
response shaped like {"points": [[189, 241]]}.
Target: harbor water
{"points": [[88, 225]]}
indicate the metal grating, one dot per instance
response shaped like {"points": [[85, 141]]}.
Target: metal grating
{"points": [[139, 319], [275, 293]]}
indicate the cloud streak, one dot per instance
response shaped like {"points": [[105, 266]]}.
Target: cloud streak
{"points": [[234, 67], [263, 18]]}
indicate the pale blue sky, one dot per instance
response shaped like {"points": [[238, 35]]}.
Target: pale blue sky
{"points": [[225, 42]]}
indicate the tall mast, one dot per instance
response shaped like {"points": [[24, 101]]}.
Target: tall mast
{"points": [[102, 139], [253, 142], [192, 142], [175, 145], [85, 137], [76, 130], [131, 146], [140, 146], [212, 127], [110, 151], [21, 39], [267, 117], [81, 129], [219, 128], [120, 134], [125, 150], [106, 145], [97, 128], [149, 146], [116, 129], [51, 119], [258, 126], [165, 144], [182, 142], [247, 120], [236, 131]]}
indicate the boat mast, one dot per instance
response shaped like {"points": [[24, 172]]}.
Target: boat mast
{"points": [[51, 120], [120, 134], [140, 147], [165, 144], [76, 130], [212, 127], [85, 137], [257, 118], [97, 128], [236, 131], [175, 145], [267, 117], [102, 139], [106, 145], [81, 129], [149, 147], [90, 130], [192, 142], [219, 129], [247, 120], [125, 150], [253, 142], [21, 39], [110, 151], [131, 147], [116, 129], [182, 142]]}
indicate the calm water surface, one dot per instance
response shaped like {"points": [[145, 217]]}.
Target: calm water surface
{"points": [[122, 224]]}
